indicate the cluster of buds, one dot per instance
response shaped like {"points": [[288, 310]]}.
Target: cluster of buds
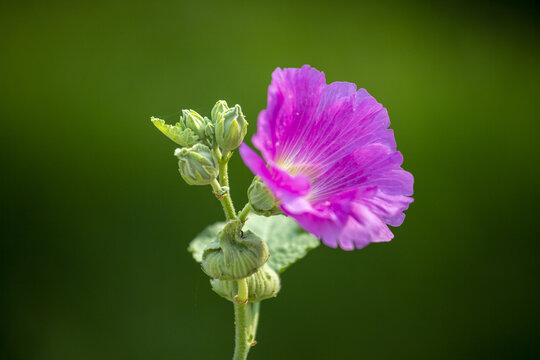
{"points": [[262, 284], [234, 255], [205, 141]]}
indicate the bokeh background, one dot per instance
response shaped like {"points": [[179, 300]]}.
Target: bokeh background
{"points": [[96, 219]]}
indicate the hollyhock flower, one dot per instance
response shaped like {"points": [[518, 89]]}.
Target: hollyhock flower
{"points": [[330, 159]]}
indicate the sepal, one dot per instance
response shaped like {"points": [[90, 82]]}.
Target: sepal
{"points": [[234, 254], [195, 122], [220, 107], [231, 128], [198, 165], [177, 133], [261, 199], [263, 284]]}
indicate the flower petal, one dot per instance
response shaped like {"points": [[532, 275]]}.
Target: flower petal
{"points": [[363, 167], [293, 97], [283, 185], [331, 159]]}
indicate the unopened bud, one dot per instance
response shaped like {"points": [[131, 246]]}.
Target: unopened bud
{"points": [[263, 284], [209, 130], [194, 121], [198, 164], [235, 254], [231, 128], [261, 199], [218, 109]]}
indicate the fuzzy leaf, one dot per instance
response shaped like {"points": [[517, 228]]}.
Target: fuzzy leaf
{"points": [[208, 235], [286, 241], [177, 133]]}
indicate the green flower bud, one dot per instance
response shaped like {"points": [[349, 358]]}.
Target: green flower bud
{"points": [[198, 164], [209, 130], [234, 255], [194, 121], [218, 109], [231, 127], [263, 284], [261, 199]]}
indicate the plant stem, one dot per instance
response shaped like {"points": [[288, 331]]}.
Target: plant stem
{"points": [[245, 322], [242, 296], [223, 171], [225, 200], [254, 314], [242, 215], [242, 345], [242, 321]]}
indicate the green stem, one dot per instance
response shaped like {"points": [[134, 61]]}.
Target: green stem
{"points": [[242, 321], [242, 296], [242, 215], [225, 199], [223, 171], [245, 319], [254, 314], [242, 345]]}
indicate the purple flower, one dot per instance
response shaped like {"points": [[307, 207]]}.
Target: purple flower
{"points": [[330, 159]]}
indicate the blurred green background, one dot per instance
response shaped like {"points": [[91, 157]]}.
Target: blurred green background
{"points": [[96, 219]]}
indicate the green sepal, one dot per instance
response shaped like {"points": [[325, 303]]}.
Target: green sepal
{"points": [[195, 122], [231, 128], [220, 107], [198, 164], [177, 133], [261, 199], [286, 241], [235, 254], [263, 284]]}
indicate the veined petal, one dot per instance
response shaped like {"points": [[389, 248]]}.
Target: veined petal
{"points": [[282, 184], [293, 97]]}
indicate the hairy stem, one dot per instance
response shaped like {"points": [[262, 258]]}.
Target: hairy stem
{"points": [[223, 170], [242, 345], [242, 321], [242, 215], [225, 198], [242, 296], [254, 315]]}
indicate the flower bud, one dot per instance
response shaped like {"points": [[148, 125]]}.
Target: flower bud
{"points": [[209, 130], [198, 165], [218, 109], [231, 127], [235, 255], [261, 199], [194, 121], [263, 284]]}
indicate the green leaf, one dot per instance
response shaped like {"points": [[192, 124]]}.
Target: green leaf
{"points": [[177, 133], [286, 241], [208, 235]]}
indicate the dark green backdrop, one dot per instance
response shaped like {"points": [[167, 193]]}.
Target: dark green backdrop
{"points": [[96, 219]]}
